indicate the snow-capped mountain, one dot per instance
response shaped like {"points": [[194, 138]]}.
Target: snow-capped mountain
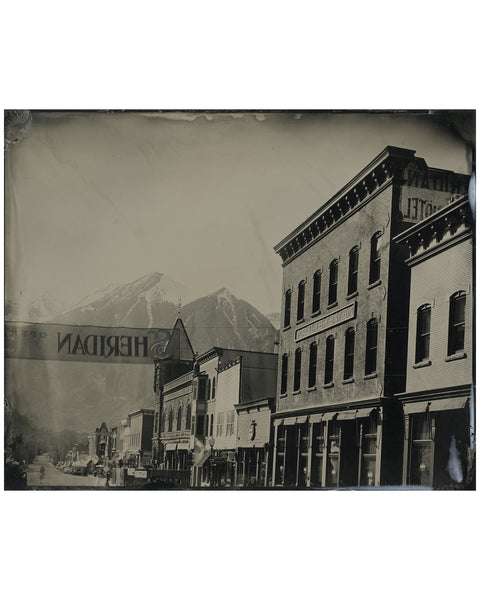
{"points": [[82, 395], [151, 301], [221, 319]]}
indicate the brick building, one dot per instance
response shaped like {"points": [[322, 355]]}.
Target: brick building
{"points": [[343, 342], [438, 401]]}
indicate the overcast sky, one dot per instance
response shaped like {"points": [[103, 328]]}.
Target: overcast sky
{"points": [[103, 198]]}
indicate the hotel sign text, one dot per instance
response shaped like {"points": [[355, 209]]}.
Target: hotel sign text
{"points": [[82, 343], [339, 316]]}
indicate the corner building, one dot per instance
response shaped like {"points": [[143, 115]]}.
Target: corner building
{"points": [[343, 341]]}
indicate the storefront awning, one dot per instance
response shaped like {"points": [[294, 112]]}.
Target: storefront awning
{"points": [[415, 407], [364, 412], [302, 419], [183, 446], [290, 421], [316, 418], [448, 404], [170, 446], [328, 416], [201, 460], [278, 422], [346, 415]]}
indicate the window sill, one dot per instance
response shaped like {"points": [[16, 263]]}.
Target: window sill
{"points": [[316, 313], [287, 328], [312, 389], [349, 380], [374, 284], [457, 356], [283, 395], [332, 305], [328, 385], [422, 363], [295, 392], [352, 295], [371, 376], [302, 320]]}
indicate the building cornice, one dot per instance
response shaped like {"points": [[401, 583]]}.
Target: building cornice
{"points": [[435, 394], [368, 182], [447, 227]]}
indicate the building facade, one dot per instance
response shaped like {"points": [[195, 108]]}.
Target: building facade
{"points": [[343, 341], [171, 361], [438, 402]]}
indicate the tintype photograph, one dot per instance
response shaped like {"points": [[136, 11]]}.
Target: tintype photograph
{"points": [[256, 300]]}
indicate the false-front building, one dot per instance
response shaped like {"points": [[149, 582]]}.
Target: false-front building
{"points": [[343, 339], [438, 401]]}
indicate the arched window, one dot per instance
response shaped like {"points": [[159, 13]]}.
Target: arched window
{"points": [[179, 418], [188, 422], [301, 300], [213, 387], [284, 374], [206, 425], [312, 365], [349, 353], [332, 282], [288, 308], [162, 423], [353, 270], [317, 285], [422, 345], [456, 323], [211, 425], [170, 420], [209, 389], [297, 369], [375, 257], [329, 358], [371, 349]]}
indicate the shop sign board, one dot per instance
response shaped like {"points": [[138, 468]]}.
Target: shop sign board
{"points": [[339, 316]]}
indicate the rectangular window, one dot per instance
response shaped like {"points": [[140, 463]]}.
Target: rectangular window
{"points": [[456, 327], [422, 347], [317, 284], [230, 421], [284, 378], [301, 300], [329, 359], [288, 307], [349, 354], [332, 283], [375, 258], [312, 367], [353, 271], [220, 423], [371, 350], [297, 370]]}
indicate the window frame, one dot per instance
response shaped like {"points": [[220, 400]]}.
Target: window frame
{"points": [[287, 308], [333, 282], [297, 370], [317, 288], [284, 375], [312, 365], [353, 261], [371, 350], [454, 325], [349, 354], [422, 337], [301, 300], [329, 360], [375, 258]]}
